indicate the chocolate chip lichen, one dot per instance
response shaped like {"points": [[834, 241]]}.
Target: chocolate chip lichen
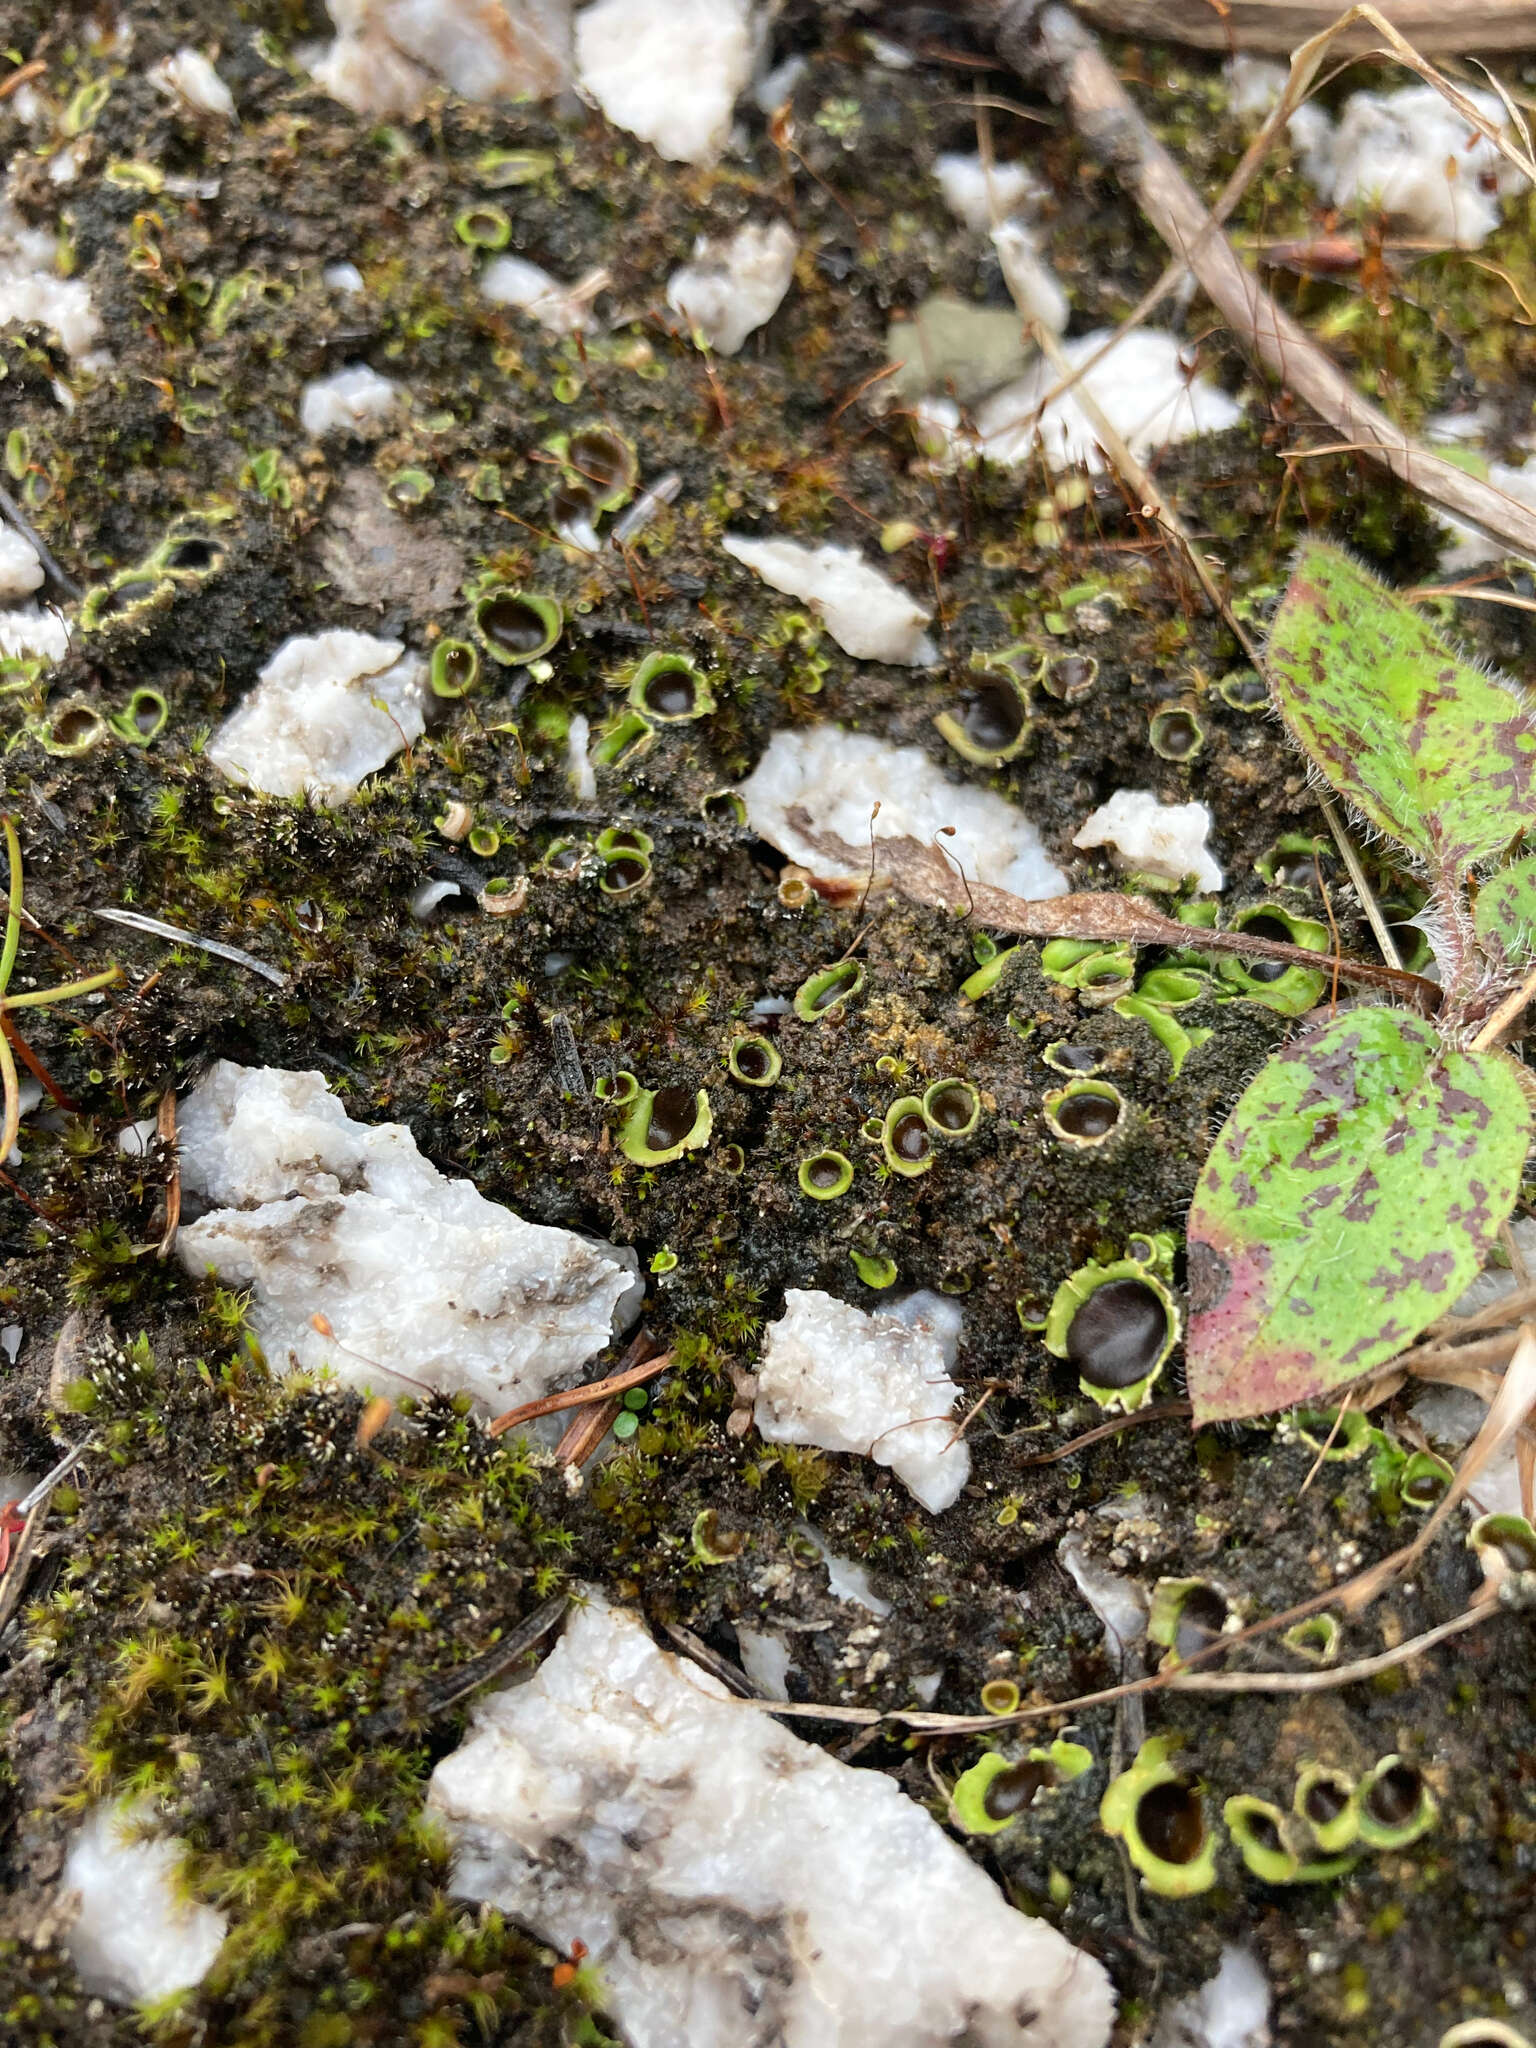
{"points": [[579, 870]]}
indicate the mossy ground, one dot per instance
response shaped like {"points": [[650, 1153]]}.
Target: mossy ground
{"points": [[239, 1608]]}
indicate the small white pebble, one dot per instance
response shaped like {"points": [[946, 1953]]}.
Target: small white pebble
{"points": [[979, 195], [669, 71], [134, 1939], [353, 400], [514, 281], [189, 76], [1157, 839], [732, 288], [20, 570], [867, 614], [580, 773]]}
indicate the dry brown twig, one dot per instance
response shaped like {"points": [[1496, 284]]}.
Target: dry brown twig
{"points": [[582, 1397], [1447, 27], [919, 871], [1047, 42]]}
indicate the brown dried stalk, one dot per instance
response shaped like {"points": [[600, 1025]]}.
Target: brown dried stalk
{"points": [[582, 1397], [1444, 27], [1049, 44], [921, 872]]}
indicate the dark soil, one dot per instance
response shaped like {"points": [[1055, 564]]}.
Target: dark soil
{"points": [[232, 1605]]}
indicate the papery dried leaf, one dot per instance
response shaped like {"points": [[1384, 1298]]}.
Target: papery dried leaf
{"points": [[920, 871], [1355, 1191], [1431, 750]]}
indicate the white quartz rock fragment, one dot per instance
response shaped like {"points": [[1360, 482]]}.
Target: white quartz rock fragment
{"points": [[28, 631], [1143, 388], [558, 308], [32, 293], [735, 1886], [420, 1277], [765, 1659], [353, 400], [844, 1379], [1032, 284], [579, 771], [730, 289], [847, 1579], [670, 71], [1118, 1601], [328, 709], [838, 777], [1230, 2011], [979, 194], [387, 53], [134, 1938], [1155, 838], [1254, 84], [868, 615], [189, 76], [20, 570], [1410, 155]]}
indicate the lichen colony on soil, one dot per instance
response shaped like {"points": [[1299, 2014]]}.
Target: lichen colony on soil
{"points": [[476, 546]]}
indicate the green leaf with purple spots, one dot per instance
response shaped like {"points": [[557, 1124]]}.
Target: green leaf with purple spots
{"points": [[1438, 754], [1356, 1189], [1506, 915]]}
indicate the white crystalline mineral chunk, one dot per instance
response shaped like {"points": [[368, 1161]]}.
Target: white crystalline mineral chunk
{"points": [[514, 281], [1410, 155], [20, 570], [868, 615], [328, 709], [736, 1887], [420, 1277], [1032, 284], [134, 1939], [1156, 839], [978, 194], [847, 1380], [388, 52], [732, 288], [670, 71], [1230, 2011], [838, 777], [32, 294], [189, 76], [1143, 387], [28, 631], [353, 400], [1253, 85]]}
